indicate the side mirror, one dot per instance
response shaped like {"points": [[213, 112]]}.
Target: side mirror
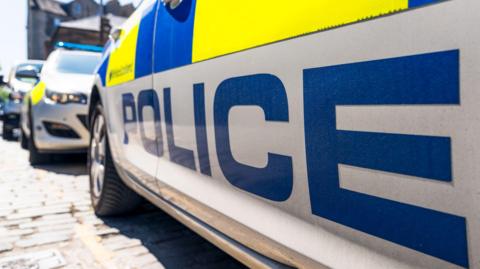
{"points": [[116, 34], [172, 3], [26, 74], [2, 83]]}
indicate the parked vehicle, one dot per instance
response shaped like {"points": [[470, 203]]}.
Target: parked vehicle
{"points": [[54, 115], [21, 79], [305, 134], [2, 113], [2, 98]]}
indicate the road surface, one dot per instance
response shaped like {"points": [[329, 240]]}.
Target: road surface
{"points": [[46, 218]]}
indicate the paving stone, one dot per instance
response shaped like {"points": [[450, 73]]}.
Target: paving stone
{"points": [[39, 213], [45, 210], [5, 247], [57, 228], [18, 232], [93, 222], [132, 252], [49, 222], [43, 239], [107, 231], [8, 223], [120, 238], [57, 216], [9, 239], [82, 208], [6, 212]]}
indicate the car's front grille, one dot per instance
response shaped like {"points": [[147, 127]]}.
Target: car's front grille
{"points": [[60, 130]]}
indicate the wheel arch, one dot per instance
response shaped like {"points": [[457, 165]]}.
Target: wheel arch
{"points": [[94, 100]]}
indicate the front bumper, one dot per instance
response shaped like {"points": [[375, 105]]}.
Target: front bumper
{"points": [[60, 128]]}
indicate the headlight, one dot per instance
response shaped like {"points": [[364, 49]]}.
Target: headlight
{"points": [[66, 98]]}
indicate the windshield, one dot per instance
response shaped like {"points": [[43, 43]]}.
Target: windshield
{"points": [[77, 63]]}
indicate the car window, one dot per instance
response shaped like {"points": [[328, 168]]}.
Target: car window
{"points": [[77, 63]]}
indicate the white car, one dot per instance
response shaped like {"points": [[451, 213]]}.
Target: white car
{"points": [[55, 112], [312, 134]]}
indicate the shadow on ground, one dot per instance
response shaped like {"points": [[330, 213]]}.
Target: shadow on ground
{"points": [[173, 244], [66, 164]]}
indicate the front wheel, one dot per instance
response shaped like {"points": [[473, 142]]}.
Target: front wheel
{"points": [[109, 195]]}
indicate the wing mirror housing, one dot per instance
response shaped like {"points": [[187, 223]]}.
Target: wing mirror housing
{"points": [[172, 3], [116, 34]]}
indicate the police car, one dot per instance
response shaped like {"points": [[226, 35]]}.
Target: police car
{"points": [[54, 116], [308, 134]]}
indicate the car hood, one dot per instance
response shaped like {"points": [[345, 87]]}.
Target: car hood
{"points": [[69, 83], [18, 85]]}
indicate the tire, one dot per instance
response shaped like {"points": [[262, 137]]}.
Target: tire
{"points": [[23, 140], [36, 157], [109, 195], [7, 132]]}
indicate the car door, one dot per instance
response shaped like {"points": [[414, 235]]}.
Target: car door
{"points": [[129, 82], [261, 127]]}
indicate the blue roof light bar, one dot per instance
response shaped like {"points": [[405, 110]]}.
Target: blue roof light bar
{"points": [[75, 46]]}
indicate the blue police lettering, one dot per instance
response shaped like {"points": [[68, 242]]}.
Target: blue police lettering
{"points": [[384, 82], [149, 98], [275, 181], [413, 80]]}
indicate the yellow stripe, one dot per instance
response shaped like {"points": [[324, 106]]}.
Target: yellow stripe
{"points": [[121, 67], [223, 27], [38, 92]]}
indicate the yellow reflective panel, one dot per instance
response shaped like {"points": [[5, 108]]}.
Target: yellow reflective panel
{"points": [[38, 92], [121, 67], [223, 27]]}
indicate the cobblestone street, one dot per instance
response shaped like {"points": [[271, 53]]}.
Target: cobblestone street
{"points": [[47, 208]]}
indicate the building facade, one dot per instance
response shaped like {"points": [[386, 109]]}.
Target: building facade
{"points": [[47, 23]]}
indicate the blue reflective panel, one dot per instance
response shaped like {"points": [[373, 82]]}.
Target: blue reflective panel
{"points": [[201, 129], [149, 98], [417, 3], [102, 70], [174, 36], [415, 80], [144, 52]]}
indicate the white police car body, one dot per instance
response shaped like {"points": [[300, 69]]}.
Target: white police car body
{"points": [[352, 147]]}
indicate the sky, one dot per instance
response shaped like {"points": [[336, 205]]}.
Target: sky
{"points": [[13, 35]]}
